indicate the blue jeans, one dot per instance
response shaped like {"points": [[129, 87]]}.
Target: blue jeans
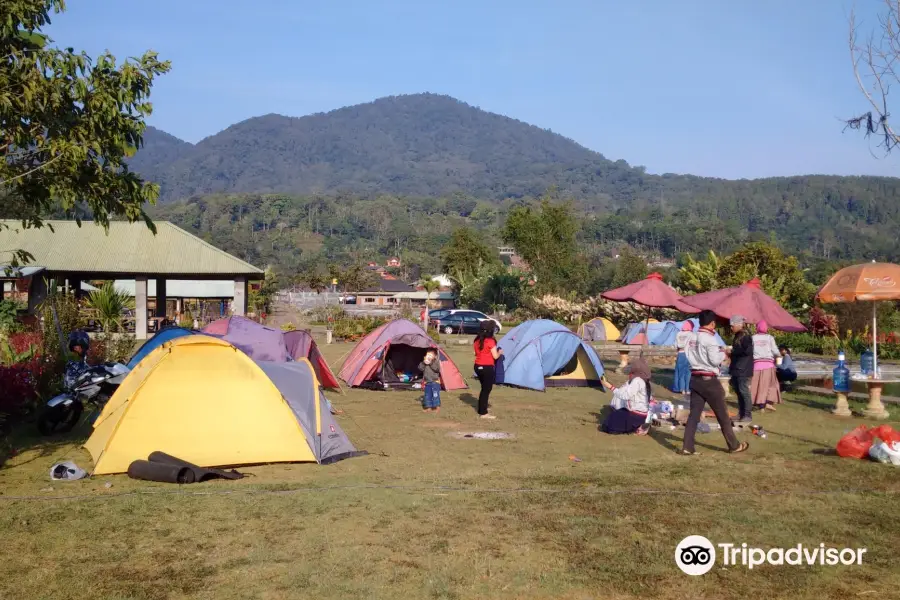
{"points": [[432, 397], [682, 374]]}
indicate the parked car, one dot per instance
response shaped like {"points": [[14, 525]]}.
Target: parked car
{"points": [[463, 321], [437, 314], [348, 299]]}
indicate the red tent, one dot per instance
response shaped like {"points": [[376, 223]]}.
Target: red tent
{"points": [[651, 292], [300, 344], [749, 301], [396, 347]]}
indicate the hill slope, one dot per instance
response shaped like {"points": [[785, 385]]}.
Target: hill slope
{"points": [[424, 145]]}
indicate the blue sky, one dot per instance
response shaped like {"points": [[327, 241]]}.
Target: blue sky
{"points": [[726, 88]]}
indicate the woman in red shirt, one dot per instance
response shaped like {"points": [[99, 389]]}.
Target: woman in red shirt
{"points": [[486, 356]]}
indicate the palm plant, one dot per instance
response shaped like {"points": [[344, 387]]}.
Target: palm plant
{"points": [[110, 305], [430, 286]]}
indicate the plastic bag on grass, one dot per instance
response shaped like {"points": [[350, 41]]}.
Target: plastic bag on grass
{"points": [[886, 434], [893, 453], [878, 452], [855, 444]]}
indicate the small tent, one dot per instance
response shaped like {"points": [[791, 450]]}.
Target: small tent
{"points": [[396, 347], [201, 399], [165, 335], [300, 345], [257, 341], [539, 354], [599, 329], [666, 337]]}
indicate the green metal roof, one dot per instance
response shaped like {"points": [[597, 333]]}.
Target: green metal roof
{"points": [[128, 248]]}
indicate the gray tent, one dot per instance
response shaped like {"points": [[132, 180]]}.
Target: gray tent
{"points": [[298, 386]]}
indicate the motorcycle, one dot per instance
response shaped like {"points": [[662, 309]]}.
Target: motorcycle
{"points": [[95, 385]]}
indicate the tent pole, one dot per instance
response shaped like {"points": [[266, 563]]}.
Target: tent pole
{"points": [[874, 339]]}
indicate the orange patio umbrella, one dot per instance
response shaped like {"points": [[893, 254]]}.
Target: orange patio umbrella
{"points": [[870, 282]]}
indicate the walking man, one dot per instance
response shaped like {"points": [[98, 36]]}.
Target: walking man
{"points": [[741, 369], [706, 358]]}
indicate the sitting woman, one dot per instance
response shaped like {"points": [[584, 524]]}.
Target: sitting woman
{"points": [[630, 402]]}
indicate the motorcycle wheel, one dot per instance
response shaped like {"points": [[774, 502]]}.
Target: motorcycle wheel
{"points": [[60, 419]]}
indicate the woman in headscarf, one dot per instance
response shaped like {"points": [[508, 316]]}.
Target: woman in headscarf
{"points": [[764, 388], [682, 366], [630, 402]]}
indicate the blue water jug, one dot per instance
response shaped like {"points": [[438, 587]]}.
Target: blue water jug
{"points": [[867, 362], [840, 377]]}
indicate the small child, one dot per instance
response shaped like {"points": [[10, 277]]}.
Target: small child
{"points": [[431, 373]]}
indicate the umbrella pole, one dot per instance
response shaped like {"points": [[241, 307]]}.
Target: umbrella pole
{"points": [[646, 333], [875, 339]]}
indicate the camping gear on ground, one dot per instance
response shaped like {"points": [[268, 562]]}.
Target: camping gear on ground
{"points": [[540, 353], [96, 385], [599, 329], [160, 338], [868, 282], [67, 471], [398, 346], [256, 341], [201, 399], [165, 468], [840, 376], [749, 301], [300, 344]]}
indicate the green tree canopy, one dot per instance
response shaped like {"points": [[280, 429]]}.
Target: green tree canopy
{"points": [[629, 268], [545, 239], [467, 255], [68, 123], [780, 275]]}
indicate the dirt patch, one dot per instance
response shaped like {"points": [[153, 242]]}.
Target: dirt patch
{"points": [[482, 435]]}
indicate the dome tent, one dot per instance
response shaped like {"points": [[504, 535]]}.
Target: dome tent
{"points": [[599, 329], [539, 354], [163, 336], [396, 346], [260, 342], [200, 399]]}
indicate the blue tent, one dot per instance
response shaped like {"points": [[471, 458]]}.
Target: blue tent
{"points": [[666, 337], [635, 329], [540, 354], [169, 333]]}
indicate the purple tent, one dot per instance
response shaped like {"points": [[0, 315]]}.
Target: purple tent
{"points": [[256, 341]]}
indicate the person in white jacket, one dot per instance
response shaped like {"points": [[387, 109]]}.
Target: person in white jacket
{"points": [[630, 402]]}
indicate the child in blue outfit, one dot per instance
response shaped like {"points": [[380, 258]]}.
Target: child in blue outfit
{"points": [[431, 373]]}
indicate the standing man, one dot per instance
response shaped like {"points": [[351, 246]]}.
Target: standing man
{"points": [[741, 353], [706, 358]]}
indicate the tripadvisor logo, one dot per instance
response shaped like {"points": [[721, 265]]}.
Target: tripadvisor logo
{"points": [[696, 555]]}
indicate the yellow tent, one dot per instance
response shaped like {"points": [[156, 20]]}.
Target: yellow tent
{"points": [[579, 371], [204, 401], [599, 329]]}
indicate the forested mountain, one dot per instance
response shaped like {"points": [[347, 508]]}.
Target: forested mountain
{"points": [[399, 173]]}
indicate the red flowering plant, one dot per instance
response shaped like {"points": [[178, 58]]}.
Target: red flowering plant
{"points": [[821, 323]]}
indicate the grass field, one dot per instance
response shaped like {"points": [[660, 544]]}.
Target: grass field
{"points": [[430, 516]]}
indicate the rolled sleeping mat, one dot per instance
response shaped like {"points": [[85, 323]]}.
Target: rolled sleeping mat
{"points": [[200, 473], [164, 473]]}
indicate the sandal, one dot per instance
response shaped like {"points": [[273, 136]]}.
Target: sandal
{"points": [[683, 452], [742, 447], [770, 407]]}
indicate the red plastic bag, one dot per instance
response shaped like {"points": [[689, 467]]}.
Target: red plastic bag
{"points": [[855, 444], [885, 433]]}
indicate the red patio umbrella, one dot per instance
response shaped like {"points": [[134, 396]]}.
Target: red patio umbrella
{"points": [[749, 301], [651, 292]]}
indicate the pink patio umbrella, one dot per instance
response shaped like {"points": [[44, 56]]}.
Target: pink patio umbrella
{"points": [[749, 301], [651, 292]]}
